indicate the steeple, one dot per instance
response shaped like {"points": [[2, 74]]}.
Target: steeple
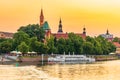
{"points": [[84, 30], [60, 27], [107, 32], [41, 18]]}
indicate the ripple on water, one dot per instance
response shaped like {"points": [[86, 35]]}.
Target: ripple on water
{"points": [[108, 70]]}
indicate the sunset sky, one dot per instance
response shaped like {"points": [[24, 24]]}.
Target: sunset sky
{"points": [[96, 15]]}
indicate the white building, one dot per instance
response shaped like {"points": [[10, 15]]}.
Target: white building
{"points": [[107, 36]]}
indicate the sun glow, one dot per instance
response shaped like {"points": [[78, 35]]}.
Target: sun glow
{"points": [[97, 15]]}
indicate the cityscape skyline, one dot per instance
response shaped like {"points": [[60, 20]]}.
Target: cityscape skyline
{"points": [[96, 15]]}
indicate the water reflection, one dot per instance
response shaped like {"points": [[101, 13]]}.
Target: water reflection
{"points": [[109, 70], [100, 71]]}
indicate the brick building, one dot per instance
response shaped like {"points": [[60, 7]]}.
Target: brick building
{"points": [[6, 35], [60, 33]]}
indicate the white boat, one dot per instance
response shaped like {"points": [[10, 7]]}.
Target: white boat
{"points": [[71, 58]]}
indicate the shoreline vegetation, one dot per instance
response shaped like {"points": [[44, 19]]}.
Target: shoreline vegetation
{"points": [[31, 38]]}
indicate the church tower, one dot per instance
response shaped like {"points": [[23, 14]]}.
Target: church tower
{"points": [[84, 31], [41, 18], [107, 32], [60, 27]]}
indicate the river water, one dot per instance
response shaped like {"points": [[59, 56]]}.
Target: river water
{"points": [[107, 70]]}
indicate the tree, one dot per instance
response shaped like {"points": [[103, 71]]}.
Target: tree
{"points": [[33, 30], [77, 43], [6, 46], [20, 37], [34, 44], [97, 50], [23, 47], [2, 39], [106, 46], [87, 48], [61, 46], [116, 39], [51, 44], [43, 48], [69, 46]]}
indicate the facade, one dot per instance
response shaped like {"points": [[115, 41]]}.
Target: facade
{"points": [[107, 36], [60, 33], [6, 35]]}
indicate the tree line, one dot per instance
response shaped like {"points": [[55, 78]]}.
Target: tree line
{"points": [[31, 38]]}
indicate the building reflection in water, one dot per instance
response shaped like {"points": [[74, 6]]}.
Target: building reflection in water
{"points": [[100, 71]]}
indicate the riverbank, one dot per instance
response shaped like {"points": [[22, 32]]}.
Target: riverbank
{"points": [[11, 72], [105, 57], [45, 58], [34, 58]]}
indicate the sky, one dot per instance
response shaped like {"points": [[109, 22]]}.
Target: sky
{"points": [[96, 15]]}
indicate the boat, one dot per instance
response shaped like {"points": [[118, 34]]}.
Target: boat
{"points": [[71, 58]]}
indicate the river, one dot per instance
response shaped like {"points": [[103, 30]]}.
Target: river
{"points": [[107, 70]]}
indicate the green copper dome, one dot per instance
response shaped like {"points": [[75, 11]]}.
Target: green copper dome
{"points": [[46, 26]]}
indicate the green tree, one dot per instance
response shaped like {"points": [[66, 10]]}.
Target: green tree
{"points": [[97, 50], [43, 48], [34, 44], [87, 48], [33, 30], [116, 39], [6, 46], [51, 45], [20, 37], [37, 46], [61, 46], [2, 39], [69, 46], [106, 46], [23, 47], [77, 43]]}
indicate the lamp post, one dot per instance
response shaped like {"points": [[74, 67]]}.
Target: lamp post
{"points": [[73, 53], [69, 53], [64, 52], [42, 58]]}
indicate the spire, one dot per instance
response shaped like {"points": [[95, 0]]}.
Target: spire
{"points": [[84, 30], [60, 27], [41, 18], [41, 12], [107, 32], [60, 21]]}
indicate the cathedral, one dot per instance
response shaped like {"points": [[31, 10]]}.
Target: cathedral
{"points": [[107, 36], [60, 33]]}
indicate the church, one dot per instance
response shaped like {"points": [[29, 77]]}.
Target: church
{"points": [[107, 36], [60, 33]]}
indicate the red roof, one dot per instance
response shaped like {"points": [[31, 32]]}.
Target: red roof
{"points": [[65, 35], [60, 35], [7, 34], [116, 44]]}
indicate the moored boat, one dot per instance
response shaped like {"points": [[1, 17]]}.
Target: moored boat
{"points": [[71, 58]]}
